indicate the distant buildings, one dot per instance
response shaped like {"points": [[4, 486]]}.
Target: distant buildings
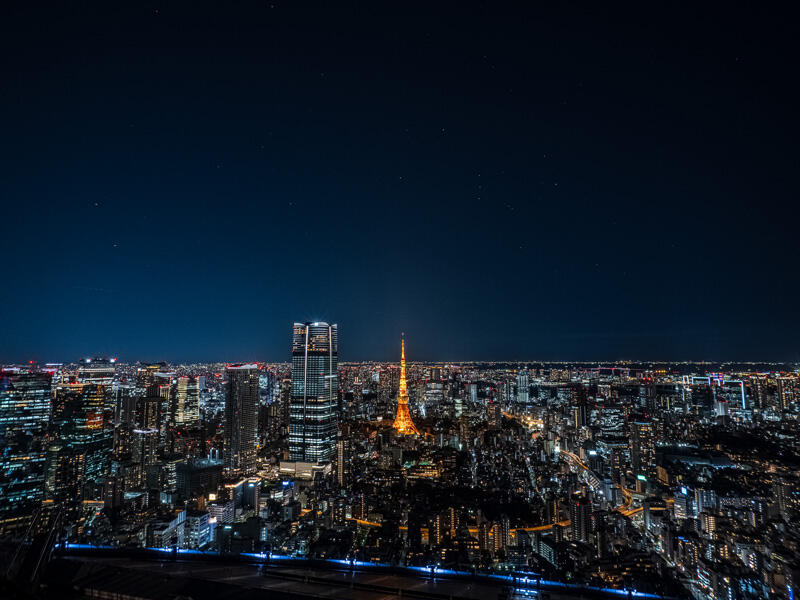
{"points": [[241, 418], [314, 402]]}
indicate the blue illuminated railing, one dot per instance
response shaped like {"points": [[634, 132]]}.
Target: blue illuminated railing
{"points": [[522, 582]]}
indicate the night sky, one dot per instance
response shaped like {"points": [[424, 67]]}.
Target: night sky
{"points": [[182, 182]]}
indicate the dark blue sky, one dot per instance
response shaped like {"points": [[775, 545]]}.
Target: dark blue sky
{"points": [[183, 182]]}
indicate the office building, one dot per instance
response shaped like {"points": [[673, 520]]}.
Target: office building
{"points": [[314, 401], [84, 431], [643, 451], [241, 418], [523, 387], [581, 518], [187, 401], [24, 416]]}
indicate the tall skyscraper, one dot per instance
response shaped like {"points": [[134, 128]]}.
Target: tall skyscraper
{"points": [[24, 416], [402, 422], [312, 413], [343, 458], [241, 418], [643, 452], [785, 392], [187, 398], [83, 429], [523, 387]]}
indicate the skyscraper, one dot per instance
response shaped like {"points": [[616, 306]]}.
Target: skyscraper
{"points": [[580, 518], [643, 453], [523, 387], [241, 418], [24, 416], [402, 422], [82, 427], [343, 458], [785, 392], [187, 401], [312, 413]]}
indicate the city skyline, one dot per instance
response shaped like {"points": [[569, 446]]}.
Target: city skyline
{"points": [[578, 219], [636, 477]]}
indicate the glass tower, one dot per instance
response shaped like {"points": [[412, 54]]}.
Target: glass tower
{"points": [[312, 413], [24, 418], [84, 440]]}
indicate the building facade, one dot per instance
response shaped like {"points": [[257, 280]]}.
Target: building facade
{"points": [[241, 418], [315, 390], [24, 417]]}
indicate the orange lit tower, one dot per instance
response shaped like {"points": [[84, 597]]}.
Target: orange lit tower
{"points": [[402, 422]]}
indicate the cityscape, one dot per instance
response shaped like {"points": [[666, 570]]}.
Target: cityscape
{"points": [[381, 300], [671, 479]]}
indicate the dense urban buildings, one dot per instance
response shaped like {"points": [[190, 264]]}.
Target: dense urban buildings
{"points": [[677, 479], [579, 215]]}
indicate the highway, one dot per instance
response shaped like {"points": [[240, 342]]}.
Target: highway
{"points": [[625, 507]]}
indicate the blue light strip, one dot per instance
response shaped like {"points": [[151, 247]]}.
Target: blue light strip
{"points": [[522, 582]]}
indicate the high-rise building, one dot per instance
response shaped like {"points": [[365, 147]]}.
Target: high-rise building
{"points": [[124, 402], [315, 392], [187, 401], [241, 418], [643, 452], [473, 393], [581, 518], [579, 415], [494, 414], [434, 396], [24, 417], [402, 422], [523, 387], [343, 457], [785, 392], [278, 417], [144, 445], [83, 428]]}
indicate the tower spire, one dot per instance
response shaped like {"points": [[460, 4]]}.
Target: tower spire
{"points": [[402, 422]]}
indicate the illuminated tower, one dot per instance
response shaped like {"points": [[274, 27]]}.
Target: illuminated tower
{"points": [[402, 422]]}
